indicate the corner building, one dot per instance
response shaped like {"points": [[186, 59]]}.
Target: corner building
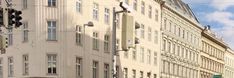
{"points": [[54, 43], [180, 41], [229, 64], [212, 54]]}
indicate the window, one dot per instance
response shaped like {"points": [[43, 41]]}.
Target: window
{"points": [[107, 16], [164, 45], [51, 31], [156, 15], [95, 11], [117, 71], [156, 37], [78, 35], [142, 7], [126, 1], [155, 58], [135, 5], [10, 37], [117, 21], [125, 72], [133, 73], [170, 26], [52, 63], [25, 32], [78, 67], [79, 6], [142, 31], [150, 12], [106, 43], [1, 68], [149, 56], [25, 65], [51, 3], [95, 69], [141, 74], [134, 54], [10, 67], [169, 47], [142, 54], [165, 24], [149, 34], [95, 41], [25, 5], [148, 75], [155, 75], [106, 71]]}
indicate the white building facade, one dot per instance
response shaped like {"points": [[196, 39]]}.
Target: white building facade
{"points": [[180, 41], [229, 64], [54, 43]]}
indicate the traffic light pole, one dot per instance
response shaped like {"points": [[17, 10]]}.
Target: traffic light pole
{"points": [[114, 50]]}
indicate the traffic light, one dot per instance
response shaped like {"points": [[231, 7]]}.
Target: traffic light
{"points": [[18, 23], [11, 17], [3, 42], [127, 32], [1, 17]]}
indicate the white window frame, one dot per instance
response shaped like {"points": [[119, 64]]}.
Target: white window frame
{"points": [[79, 66], [79, 35], [10, 67], [52, 64], [142, 31], [95, 69], [25, 64], [95, 11], [10, 37], [150, 11], [156, 15], [155, 58], [107, 43], [135, 5], [148, 56], [25, 4], [149, 34], [52, 27], [79, 6], [142, 54], [106, 70], [25, 32], [95, 41], [107, 15], [156, 37], [143, 7], [52, 3]]}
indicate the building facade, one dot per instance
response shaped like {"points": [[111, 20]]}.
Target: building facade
{"points": [[212, 54], [229, 64], [180, 41], [55, 41]]}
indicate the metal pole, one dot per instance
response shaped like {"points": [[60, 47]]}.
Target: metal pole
{"points": [[114, 74]]}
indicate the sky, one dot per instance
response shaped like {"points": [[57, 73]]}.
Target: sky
{"points": [[219, 14]]}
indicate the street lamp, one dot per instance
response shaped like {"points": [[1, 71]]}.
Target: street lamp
{"points": [[125, 8], [89, 24]]}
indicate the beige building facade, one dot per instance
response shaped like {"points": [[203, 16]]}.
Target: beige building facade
{"points": [[180, 41], [54, 42], [229, 64], [212, 54]]}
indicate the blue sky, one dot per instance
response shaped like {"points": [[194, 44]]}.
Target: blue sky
{"points": [[219, 14]]}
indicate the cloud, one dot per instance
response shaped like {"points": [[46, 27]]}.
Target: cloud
{"points": [[222, 4], [227, 30]]}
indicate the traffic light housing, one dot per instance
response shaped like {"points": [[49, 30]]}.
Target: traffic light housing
{"points": [[127, 31], [18, 19], [1, 17], [11, 17], [3, 42]]}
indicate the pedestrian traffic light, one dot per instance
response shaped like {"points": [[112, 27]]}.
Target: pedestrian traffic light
{"points": [[127, 32], [1, 17], [3, 42], [11, 17], [18, 19]]}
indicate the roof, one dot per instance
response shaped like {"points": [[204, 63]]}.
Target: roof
{"points": [[182, 7]]}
